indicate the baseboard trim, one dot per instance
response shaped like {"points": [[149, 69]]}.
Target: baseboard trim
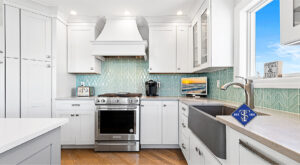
{"points": [[159, 146], [77, 146]]}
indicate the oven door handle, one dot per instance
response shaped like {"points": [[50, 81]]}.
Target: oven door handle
{"points": [[118, 109]]}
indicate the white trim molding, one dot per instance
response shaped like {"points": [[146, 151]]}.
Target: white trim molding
{"points": [[244, 47]]}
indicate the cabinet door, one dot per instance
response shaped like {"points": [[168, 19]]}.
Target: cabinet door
{"points": [[184, 60], [204, 22], [80, 59], [2, 88], [12, 32], [289, 21], [151, 121], [170, 122], [85, 133], [248, 157], [35, 89], [162, 49], [35, 36], [12, 88], [68, 136], [196, 155]]}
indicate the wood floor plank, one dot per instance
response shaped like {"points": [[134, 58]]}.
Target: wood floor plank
{"points": [[144, 157]]}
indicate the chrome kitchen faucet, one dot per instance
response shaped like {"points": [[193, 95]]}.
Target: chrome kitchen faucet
{"points": [[248, 87]]}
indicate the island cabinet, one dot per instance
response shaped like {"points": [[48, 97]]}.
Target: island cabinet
{"points": [[81, 127], [242, 149], [159, 123], [170, 48]]}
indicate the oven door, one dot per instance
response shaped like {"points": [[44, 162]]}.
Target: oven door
{"points": [[117, 122]]}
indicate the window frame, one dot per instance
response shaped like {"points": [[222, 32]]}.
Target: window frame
{"points": [[244, 50]]}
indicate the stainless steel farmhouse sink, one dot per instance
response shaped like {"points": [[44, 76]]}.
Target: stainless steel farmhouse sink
{"points": [[202, 121]]}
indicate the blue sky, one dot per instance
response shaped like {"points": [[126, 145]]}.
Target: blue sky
{"points": [[268, 46]]}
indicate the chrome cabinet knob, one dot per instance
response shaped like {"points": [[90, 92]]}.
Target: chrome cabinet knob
{"points": [[48, 56], [92, 68]]}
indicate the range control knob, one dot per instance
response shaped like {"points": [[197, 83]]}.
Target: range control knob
{"points": [[102, 101]]}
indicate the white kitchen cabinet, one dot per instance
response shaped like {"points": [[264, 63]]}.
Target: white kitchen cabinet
{"points": [[151, 122], [212, 48], [35, 36], [68, 135], [200, 154], [35, 89], [170, 49], [184, 49], [196, 153], [12, 81], [184, 132], [162, 49], [85, 130], [244, 150], [289, 21], [81, 127], [12, 32], [2, 87], [80, 59], [170, 122], [159, 122]]}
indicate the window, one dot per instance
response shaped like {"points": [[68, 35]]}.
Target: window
{"points": [[257, 41], [267, 42]]}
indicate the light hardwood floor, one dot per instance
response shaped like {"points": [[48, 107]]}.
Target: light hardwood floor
{"points": [[144, 157]]}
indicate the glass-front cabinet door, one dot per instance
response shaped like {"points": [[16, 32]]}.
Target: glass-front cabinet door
{"points": [[204, 37], [289, 22], [201, 38]]}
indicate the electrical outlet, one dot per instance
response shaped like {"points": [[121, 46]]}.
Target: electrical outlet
{"points": [[218, 83]]}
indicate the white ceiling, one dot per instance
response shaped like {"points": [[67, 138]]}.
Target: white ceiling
{"points": [[118, 7]]}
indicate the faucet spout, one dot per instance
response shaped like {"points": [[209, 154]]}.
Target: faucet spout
{"points": [[248, 88]]}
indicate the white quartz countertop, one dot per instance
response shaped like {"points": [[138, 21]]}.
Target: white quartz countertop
{"points": [[16, 131]]}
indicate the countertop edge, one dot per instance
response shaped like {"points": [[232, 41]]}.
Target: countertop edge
{"points": [[275, 146], [36, 134]]}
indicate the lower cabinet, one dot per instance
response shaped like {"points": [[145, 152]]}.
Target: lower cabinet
{"points": [[243, 150], [2, 87], [159, 122], [80, 130], [199, 154]]}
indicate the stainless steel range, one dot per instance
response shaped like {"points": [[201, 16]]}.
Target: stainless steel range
{"points": [[117, 122]]}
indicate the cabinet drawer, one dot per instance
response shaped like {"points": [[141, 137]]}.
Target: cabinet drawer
{"points": [[184, 109], [185, 147], [75, 105], [183, 124]]}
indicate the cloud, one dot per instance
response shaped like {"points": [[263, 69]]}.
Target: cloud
{"points": [[285, 51]]}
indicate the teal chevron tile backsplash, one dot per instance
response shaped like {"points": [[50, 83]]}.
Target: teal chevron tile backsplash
{"points": [[280, 99], [130, 74]]}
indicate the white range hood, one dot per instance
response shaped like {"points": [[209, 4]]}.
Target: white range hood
{"points": [[120, 37]]}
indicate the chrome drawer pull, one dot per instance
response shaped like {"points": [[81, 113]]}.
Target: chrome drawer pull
{"points": [[75, 105], [183, 125], [72, 115], [254, 151], [183, 109], [182, 145]]}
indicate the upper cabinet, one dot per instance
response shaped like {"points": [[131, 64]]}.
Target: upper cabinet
{"points": [[289, 21], [80, 59], [35, 36], [169, 49], [212, 30]]}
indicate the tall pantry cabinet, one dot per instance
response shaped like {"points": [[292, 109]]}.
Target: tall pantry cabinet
{"points": [[2, 64], [28, 63]]}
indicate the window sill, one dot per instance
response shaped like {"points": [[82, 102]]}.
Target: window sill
{"points": [[284, 82]]}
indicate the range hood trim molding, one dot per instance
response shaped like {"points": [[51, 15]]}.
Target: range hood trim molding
{"points": [[119, 37]]}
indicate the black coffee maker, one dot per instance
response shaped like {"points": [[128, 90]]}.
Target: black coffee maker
{"points": [[151, 88]]}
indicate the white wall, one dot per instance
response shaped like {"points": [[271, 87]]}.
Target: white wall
{"points": [[63, 81]]}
